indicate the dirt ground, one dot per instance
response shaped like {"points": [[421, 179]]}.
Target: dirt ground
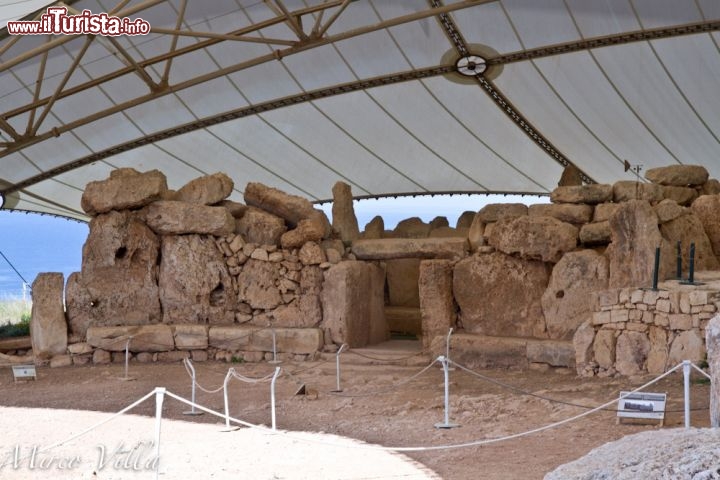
{"points": [[379, 405]]}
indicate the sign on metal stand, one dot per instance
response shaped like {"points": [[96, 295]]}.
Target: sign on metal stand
{"points": [[649, 406], [24, 372]]}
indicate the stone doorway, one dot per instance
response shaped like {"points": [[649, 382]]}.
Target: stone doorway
{"points": [[402, 298]]}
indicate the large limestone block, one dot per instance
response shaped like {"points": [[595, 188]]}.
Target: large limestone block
{"points": [[412, 228], [534, 238], [402, 282], [125, 189], [626, 190], [657, 359], [312, 229], [687, 229], [712, 340], [590, 194], [289, 207], [680, 195], [687, 345], [669, 210], [566, 302], [583, 345], [678, 175], [603, 211], [300, 341], [437, 306], [260, 227], [257, 285], [353, 304], [476, 233], [120, 239], [190, 337], [635, 235], [501, 295], [236, 209], [631, 353], [206, 190], [48, 328], [706, 208], [604, 348], [389, 248], [552, 352], [306, 310], [595, 233], [565, 212], [344, 220], [143, 338], [110, 296], [711, 187], [178, 218], [195, 285], [493, 212]]}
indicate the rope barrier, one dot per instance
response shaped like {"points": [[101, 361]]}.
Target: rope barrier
{"points": [[549, 399], [245, 379], [197, 384], [387, 390], [388, 360]]}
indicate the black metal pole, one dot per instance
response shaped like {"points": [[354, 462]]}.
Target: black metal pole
{"points": [[657, 267], [679, 261], [691, 276]]}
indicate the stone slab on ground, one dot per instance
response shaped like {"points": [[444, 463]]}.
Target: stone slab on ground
{"points": [[143, 338], [254, 339]]}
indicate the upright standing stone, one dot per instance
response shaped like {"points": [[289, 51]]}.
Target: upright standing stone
{"points": [[402, 281], [48, 329], [344, 220], [374, 228], [706, 208], [436, 299], [712, 342]]}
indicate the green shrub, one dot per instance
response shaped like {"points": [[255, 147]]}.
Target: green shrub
{"points": [[14, 317], [18, 329]]}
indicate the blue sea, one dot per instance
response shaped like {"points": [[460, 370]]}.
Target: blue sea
{"points": [[37, 243]]}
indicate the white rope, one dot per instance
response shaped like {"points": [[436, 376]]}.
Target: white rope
{"points": [[388, 389], [197, 384], [701, 371], [245, 379]]}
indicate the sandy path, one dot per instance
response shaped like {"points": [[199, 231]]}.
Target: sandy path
{"points": [[123, 449]]}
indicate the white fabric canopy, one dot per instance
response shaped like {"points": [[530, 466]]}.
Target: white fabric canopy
{"points": [[300, 94]]}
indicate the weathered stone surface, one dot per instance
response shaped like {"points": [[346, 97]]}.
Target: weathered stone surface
{"points": [[178, 218], [680, 195], [206, 190], [344, 220], [292, 208], [663, 453], [712, 341], [687, 229], [412, 228], [439, 222], [476, 233], [635, 235], [79, 348], [604, 348], [465, 219], [595, 233], [534, 238], [112, 296], [59, 361], [706, 208], [571, 176], [493, 212], [481, 351], [583, 345], [174, 356], [352, 304], [190, 337], [195, 285], [402, 282], [312, 229], [253, 339], [566, 302], [101, 357], [590, 194], [626, 190], [437, 306], [679, 175], [257, 285], [687, 345], [374, 229], [552, 352], [48, 328], [143, 338], [603, 211], [669, 210], [631, 352], [119, 239], [406, 320], [389, 248], [311, 254], [711, 187], [448, 232], [657, 360], [482, 286], [236, 209], [124, 190], [565, 212], [260, 227]]}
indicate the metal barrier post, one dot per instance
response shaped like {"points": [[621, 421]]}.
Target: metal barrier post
{"points": [[447, 347], [272, 396], [159, 397], [127, 360], [686, 385], [192, 410], [337, 367], [274, 361], [225, 395], [446, 424]]}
